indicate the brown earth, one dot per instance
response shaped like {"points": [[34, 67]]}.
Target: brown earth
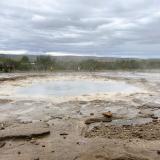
{"points": [[148, 131], [55, 129]]}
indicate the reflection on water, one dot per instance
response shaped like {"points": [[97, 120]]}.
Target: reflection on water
{"points": [[74, 88]]}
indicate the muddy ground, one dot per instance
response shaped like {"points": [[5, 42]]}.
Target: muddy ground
{"points": [[53, 128]]}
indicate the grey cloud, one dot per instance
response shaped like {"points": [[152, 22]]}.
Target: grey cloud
{"points": [[102, 27]]}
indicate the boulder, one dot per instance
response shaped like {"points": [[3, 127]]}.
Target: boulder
{"points": [[107, 114]]}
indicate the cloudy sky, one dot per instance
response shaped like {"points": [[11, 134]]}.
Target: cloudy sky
{"points": [[81, 27]]}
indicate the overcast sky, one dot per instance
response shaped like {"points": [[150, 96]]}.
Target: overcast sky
{"points": [[81, 27]]}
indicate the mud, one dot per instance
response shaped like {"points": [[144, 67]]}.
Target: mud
{"points": [[52, 127]]}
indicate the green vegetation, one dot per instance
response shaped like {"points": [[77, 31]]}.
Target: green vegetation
{"points": [[44, 63], [47, 63], [120, 64]]}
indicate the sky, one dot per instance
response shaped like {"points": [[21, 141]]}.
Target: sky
{"points": [[111, 28]]}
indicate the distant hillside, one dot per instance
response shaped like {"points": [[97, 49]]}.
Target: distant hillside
{"points": [[65, 58]]}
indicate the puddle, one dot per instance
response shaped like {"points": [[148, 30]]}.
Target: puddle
{"points": [[74, 88]]}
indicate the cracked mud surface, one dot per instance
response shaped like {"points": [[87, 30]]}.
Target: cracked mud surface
{"points": [[133, 133]]}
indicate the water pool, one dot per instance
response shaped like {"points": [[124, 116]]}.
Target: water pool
{"points": [[74, 88]]}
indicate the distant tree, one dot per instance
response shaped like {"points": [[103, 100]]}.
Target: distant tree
{"points": [[90, 65], [45, 63], [24, 59], [24, 64]]}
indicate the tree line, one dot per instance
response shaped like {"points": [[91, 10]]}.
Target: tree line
{"points": [[47, 63]]}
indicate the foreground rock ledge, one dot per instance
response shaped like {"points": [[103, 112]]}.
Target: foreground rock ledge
{"points": [[25, 131], [97, 119]]}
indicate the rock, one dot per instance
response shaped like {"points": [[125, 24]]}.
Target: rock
{"points": [[154, 117], [155, 120], [56, 117], [146, 113], [37, 143], [82, 102], [152, 105], [91, 114], [25, 130], [2, 144], [63, 134], [78, 143], [129, 157], [126, 125], [136, 100], [94, 120], [34, 142], [158, 152], [75, 158], [2, 127], [27, 121], [107, 114], [19, 152]]}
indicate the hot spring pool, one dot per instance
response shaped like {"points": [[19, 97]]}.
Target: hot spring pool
{"points": [[74, 88]]}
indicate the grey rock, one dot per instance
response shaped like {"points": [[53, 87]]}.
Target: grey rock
{"points": [[25, 130], [98, 119]]}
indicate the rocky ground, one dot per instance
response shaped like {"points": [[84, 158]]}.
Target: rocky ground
{"points": [[47, 128]]}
